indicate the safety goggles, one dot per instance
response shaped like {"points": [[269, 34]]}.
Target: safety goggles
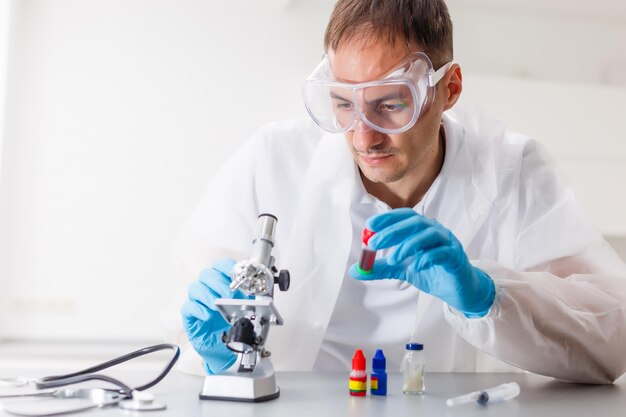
{"points": [[389, 105]]}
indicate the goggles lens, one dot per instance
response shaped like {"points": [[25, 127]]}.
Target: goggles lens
{"points": [[389, 105]]}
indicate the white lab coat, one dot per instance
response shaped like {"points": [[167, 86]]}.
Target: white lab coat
{"points": [[561, 290]]}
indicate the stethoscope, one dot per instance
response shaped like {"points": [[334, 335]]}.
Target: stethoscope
{"points": [[123, 396]]}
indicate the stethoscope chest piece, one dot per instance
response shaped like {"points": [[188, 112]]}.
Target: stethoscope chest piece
{"points": [[141, 401], [13, 382]]}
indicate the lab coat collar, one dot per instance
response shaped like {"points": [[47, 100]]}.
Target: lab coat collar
{"points": [[468, 188]]}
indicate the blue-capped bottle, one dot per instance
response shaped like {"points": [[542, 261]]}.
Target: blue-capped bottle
{"points": [[378, 378]]}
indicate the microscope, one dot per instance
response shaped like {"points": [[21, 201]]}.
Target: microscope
{"points": [[251, 378]]}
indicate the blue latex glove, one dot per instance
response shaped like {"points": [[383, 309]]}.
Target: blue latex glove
{"points": [[428, 256], [203, 323]]}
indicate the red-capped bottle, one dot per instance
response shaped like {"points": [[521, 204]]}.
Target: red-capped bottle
{"points": [[358, 376]]}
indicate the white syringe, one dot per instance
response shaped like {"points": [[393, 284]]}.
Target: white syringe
{"points": [[502, 392]]}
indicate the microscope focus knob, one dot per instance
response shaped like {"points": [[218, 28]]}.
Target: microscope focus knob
{"points": [[283, 280]]}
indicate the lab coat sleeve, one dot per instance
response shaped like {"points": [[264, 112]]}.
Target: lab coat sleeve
{"points": [[221, 226], [560, 311], [223, 223], [258, 178]]}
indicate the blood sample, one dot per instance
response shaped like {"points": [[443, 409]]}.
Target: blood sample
{"points": [[368, 256]]}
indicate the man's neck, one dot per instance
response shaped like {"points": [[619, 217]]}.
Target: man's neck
{"points": [[409, 190]]}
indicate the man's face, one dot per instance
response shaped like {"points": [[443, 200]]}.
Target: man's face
{"points": [[383, 158]]}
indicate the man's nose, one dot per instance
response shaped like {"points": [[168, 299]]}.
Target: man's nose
{"points": [[364, 137]]}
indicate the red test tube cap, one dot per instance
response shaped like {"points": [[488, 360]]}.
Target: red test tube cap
{"points": [[366, 236]]}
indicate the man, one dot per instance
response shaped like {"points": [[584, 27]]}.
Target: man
{"points": [[439, 187]]}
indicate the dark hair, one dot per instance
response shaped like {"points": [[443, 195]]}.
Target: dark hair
{"points": [[425, 22]]}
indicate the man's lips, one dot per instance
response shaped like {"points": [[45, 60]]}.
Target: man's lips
{"points": [[374, 159]]}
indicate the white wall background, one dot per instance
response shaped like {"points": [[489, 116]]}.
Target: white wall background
{"points": [[118, 112], [5, 17]]}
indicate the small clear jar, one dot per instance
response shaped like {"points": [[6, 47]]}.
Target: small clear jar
{"points": [[413, 364]]}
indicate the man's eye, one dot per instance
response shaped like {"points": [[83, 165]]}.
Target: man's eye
{"points": [[343, 105], [392, 107]]}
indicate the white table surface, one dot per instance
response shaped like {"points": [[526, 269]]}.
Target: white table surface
{"points": [[326, 394]]}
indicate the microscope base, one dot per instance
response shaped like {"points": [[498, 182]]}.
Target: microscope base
{"points": [[242, 399], [256, 386]]}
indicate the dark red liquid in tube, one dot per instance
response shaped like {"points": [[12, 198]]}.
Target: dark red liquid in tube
{"points": [[368, 256]]}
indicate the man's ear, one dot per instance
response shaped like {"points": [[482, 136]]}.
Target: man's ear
{"points": [[452, 86]]}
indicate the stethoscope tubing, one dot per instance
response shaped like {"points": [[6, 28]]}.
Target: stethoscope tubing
{"points": [[89, 374]]}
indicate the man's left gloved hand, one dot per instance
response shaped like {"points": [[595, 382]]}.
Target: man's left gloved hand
{"points": [[428, 256]]}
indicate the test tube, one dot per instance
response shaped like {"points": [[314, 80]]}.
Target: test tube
{"points": [[368, 256]]}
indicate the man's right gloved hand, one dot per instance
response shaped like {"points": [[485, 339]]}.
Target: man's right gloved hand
{"points": [[203, 323]]}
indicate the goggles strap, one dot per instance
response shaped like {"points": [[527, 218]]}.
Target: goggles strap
{"points": [[438, 75]]}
